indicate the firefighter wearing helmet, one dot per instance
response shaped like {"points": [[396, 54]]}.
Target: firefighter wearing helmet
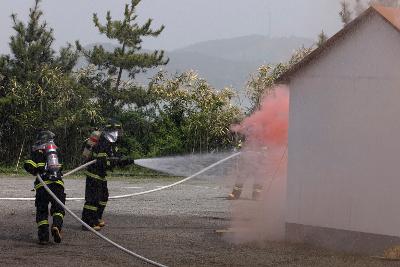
{"points": [[101, 146], [44, 161]]}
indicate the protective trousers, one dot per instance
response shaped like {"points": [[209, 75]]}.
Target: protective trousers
{"points": [[42, 201], [96, 197]]}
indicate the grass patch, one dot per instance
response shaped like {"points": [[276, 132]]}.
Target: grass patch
{"points": [[132, 171], [11, 170]]}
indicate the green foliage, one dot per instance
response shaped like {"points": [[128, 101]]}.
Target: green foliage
{"points": [[167, 139], [203, 114], [321, 39], [39, 90], [115, 94], [263, 82], [345, 12], [138, 126]]}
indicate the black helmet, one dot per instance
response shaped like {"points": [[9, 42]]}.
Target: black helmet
{"points": [[112, 130], [44, 136]]}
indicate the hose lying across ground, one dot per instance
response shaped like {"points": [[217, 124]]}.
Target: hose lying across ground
{"points": [[138, 193], [94, 231], [118, 197], [179, 182], [129, 195]]}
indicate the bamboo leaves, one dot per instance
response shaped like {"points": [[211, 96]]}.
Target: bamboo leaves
{"points": [[204, 114]]}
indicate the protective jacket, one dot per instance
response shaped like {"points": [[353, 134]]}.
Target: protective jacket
{"points": [[96, 190], [38, 164], [101, 147]]}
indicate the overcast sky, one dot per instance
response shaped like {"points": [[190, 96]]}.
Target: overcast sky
{"points": [[186, 21]]}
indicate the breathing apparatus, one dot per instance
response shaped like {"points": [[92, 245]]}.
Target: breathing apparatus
{"points": [[53, 166], [45, 142]]}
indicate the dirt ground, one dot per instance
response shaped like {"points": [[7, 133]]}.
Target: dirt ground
{"points": [[175, 227]]}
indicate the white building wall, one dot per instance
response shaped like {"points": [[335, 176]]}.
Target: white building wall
{"points": [[344, 135]]}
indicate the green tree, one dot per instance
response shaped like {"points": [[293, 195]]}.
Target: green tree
{"points": [[263, 82], [31, 49], [39, 89], [321, 39], [345, 12], [127, 56], [199, 115]]}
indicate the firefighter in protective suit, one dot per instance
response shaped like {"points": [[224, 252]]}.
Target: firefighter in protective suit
{"points": [[44, 162], [247, 164], [101, 145]]}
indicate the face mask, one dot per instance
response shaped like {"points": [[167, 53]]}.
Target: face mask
{"points": [[111, 136]]}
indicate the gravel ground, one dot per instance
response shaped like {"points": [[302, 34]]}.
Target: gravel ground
{"points": [[175, 227]]}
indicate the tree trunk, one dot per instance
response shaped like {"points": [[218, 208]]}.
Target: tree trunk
{"points": [[20, 153], [120, 69]]}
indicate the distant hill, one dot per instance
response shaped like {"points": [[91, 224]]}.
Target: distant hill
{"points": [[228, 62], [252, 48]]}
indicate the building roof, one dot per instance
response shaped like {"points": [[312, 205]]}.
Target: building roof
{"points": [[391, 15]]}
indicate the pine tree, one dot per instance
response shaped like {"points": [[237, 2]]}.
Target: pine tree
{"points": [[31, 48], [345, 13], [321, 39], [37, 88], [126, 57]]}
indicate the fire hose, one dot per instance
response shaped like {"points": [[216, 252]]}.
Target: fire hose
{"points": [[139, 193], [123, 196], [179, 182], [80, 167], [94, 231]]}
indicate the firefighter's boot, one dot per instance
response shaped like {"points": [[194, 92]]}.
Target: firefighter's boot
{"points": [[56, 233], [57, 225], [89, 216], [102, 223], [237, 190], [43, 234]]}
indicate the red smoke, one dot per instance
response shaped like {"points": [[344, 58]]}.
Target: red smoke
{"points": [[262, 162], [269, 125]]}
